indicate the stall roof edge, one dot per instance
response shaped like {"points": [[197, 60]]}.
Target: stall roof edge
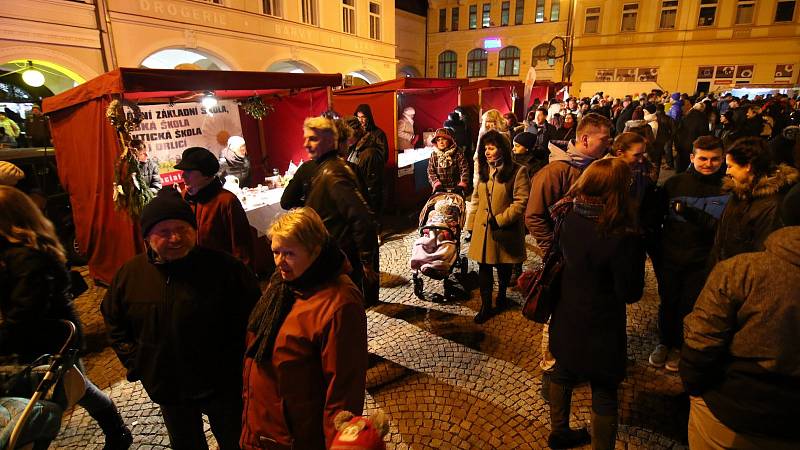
{"points": [[400, 84]]}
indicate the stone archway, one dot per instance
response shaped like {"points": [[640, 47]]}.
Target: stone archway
{"points": [[292, 66], [363, 77], [181, 58], [61, 71]]}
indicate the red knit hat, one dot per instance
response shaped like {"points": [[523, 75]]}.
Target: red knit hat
{"points": [[360, 433]]}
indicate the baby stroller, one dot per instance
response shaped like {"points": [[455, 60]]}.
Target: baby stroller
{"points": [[29, 417], [437, 252]]}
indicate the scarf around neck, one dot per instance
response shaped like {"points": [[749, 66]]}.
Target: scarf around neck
{"points": [[277, 301], [444, 158]]}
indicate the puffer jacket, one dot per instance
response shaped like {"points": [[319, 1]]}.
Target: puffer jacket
{"points": [[741, 340], [752, 213], [180, 326]]}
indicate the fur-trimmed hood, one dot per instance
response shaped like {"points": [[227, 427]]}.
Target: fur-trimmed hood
{"points": [[781, 179]]}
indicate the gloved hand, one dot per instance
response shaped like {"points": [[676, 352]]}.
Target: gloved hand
{"points": [[493, 223]]}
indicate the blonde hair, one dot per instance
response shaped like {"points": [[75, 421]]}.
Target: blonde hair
{"points": [[495, 116], [322, 124], [22, 222], [302, 225]]}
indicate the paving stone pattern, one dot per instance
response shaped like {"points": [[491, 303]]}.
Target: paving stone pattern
{"points": [[445, 382]]}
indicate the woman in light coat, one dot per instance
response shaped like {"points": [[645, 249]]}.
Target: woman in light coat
{"points": [[495, 220]]}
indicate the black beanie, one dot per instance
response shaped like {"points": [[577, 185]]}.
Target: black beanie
{"points": [[526, 139], [790, 208], [168, 204]]}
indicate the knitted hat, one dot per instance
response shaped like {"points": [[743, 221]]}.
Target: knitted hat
{"points": [[200, 159], [443, 133], [650, 108], [525, 139], [168, 204], [790, 208], [359, 433], [10, 174]]}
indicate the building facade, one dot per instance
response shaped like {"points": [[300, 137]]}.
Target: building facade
{"points": [[679, 45], [82, 39]]}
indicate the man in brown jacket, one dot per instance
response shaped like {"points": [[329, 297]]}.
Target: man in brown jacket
{"points": [[551, 183], [221, 221]]}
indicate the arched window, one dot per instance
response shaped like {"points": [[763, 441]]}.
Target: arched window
{"points": [[447, 64], [508, 64], [178, 58], [477, 60]]}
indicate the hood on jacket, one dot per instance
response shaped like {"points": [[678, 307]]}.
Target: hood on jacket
{"points": [[785, 243], [782, 178], [675, 96], [650, 117], [635, 124], [571, 155]]}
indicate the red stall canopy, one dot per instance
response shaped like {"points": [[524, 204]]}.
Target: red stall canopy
{"points": [[87, 146], [432, 98]]}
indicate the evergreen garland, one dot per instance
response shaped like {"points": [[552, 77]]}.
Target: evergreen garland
{"points": [[131, 192]]}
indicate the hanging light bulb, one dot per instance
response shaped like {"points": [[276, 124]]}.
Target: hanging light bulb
{"points": [[32, 77], [209, 101]]}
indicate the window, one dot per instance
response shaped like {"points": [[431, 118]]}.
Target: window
{"points": [[592, 24], [442, 20], [505, 9], [744, 12], [519, 12], [477, 60], [308, 12], [374, 21], [629, 13], [473, 17], [272, 7], [539, 17], [349, 16], [555, 11], [785, 11], [669, 13], [447, 64], [454, 20], [486, 21], [508, 62], [708, 13]]}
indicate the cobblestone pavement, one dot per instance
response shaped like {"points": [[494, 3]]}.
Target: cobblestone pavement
{"points": [[446, 382]]}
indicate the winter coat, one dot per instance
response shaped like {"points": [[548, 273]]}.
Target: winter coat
{"points": [[625, 115], [664, 130], [741, 340], [687, 238], [676, 109], [232, 164], [601, 275], [505, 201], [334, 194], [318, 368], [549, 185], [368, 158], [752, 213], [221, 221], [544, 133], [405, 134], [565, 134], [691, 127], [150, 173], [460, 131], [179, 326], [34, 287], [456, 174]]}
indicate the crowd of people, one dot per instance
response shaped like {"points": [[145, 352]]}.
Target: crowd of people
{"points": [[272, 367]]}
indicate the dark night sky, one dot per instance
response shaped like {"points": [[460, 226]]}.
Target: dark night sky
{"points": [[418, 7]]}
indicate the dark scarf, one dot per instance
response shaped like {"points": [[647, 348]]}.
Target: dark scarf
{"points": [[277, 301]]}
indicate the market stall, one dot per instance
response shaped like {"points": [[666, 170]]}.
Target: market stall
{"points": [[88, 146], [432, 99], [485, 94]]}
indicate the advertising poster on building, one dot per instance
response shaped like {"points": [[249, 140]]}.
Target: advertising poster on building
{"points": [[169, 129]]}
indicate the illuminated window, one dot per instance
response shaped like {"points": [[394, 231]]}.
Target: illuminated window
{"points": [[486, 21], [272, 7], [519, 12], [592, 24], [447, 64], [669, 14], [708, 13], [505, 10], [555, 11], [744, 12], [785, 11], [508, 62], [374, 21], [629, 13], [349, 16], [442, 20], [473, 17], [308, 12], [539, 17], [477, 61], [454, 20]]}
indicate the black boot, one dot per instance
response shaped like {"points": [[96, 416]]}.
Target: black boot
{"points": [[561, 436], [484, 314], [118, 436], [604, 432], [486, 294]]}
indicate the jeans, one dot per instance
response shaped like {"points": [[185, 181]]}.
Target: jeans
{"points": [[678, 288], [184, 422], [604, 394]]}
